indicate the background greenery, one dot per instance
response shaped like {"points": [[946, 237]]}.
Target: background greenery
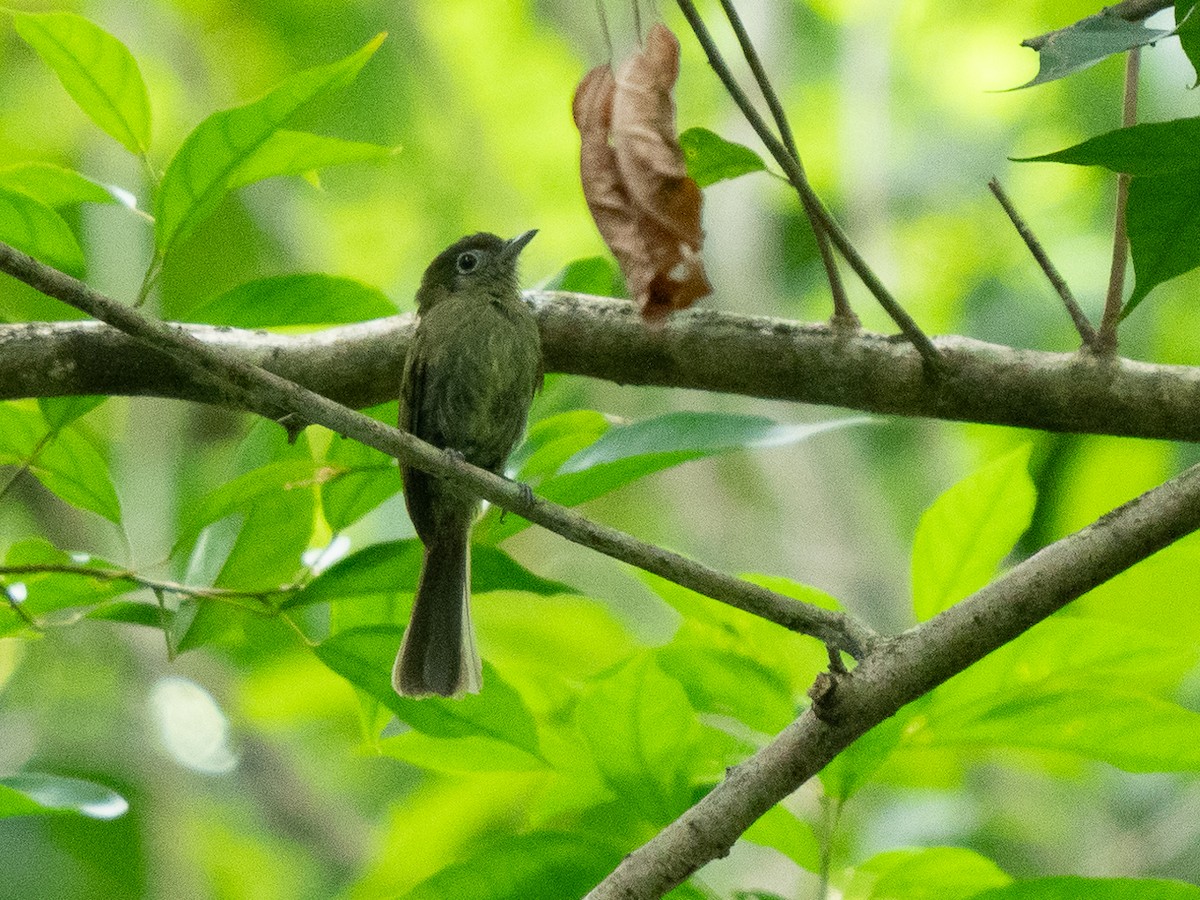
{"points": [[253, 768]]}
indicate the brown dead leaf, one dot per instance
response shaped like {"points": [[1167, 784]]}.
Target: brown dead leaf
{"points": [[635, 180]]}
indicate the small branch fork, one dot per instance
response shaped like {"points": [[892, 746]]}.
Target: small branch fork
{"points": [[813, 206], [240, 383]]}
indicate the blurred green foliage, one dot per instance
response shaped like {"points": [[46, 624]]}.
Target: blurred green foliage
{"points": [[238, 737]]}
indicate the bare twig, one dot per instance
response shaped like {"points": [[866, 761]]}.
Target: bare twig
{"points": [[908, 327], [157, 585], [903, 669], [1086, 332], [842, 313], [242, 383], [1107, 342]]}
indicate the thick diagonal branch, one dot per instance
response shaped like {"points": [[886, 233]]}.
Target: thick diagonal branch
{"points": [[902, 669]]}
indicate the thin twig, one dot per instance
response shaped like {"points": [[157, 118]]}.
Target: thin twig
{"points": [[909, 328], [244, 384], [1107, 342], [842, 313], [1082, 324], [154, 584]]}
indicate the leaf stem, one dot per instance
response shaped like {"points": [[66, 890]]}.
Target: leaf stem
{"points": [[1107, 340]]}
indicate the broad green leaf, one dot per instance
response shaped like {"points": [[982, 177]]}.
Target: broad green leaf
{"points": [[1152, 148], [851, 769], [1125, 728], [553, 440], [1162, 218], [361, 479], [781, 664], [298, 152], [393, 567], [592, 275], [626, 452], [62, 411], [97, 70], [794, 838], [303, 299], [1091, 688], [968, 531], [1188, 30], [947, 873], [73, 467], [459, 755], [710, 158], [34, 228], [1074, 888], [53, 185], [642, 733], [364, 657], [543, 864], [133, 612], [543, 641], [1087, 42], [243, 492], [205, 167], [36, 793]]}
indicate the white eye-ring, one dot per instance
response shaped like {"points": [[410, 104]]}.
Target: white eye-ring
{"points": [[467, 262]]}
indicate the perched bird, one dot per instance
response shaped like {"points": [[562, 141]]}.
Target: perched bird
{"points": [[469, 380]]}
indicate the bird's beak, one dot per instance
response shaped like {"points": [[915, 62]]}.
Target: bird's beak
{"points": [[515, 245]]}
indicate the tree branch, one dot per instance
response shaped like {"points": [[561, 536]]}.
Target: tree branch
{"points": [[899, 671], [700, 349], [235, 381]]}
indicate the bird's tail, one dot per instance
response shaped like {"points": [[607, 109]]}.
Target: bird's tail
{"points": [[438, 654]]}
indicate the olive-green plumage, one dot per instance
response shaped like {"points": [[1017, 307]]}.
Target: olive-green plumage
{"points": [[469, 379]]}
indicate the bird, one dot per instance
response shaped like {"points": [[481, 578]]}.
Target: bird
{"points": [[472, 370]]}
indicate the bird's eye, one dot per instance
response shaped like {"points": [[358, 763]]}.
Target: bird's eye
{"points": [[467, 262]]}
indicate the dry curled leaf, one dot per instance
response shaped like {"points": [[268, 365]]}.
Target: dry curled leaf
{"points": [[635, 180]]}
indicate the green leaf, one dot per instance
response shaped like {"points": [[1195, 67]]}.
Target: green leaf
{"points": [[782, 831], [362, 479], [53, 185], [592, 275], [947, 873], [1073, 888], [35, 793], [364, 656], [623, 453], [1152, 148], [968, 531], [1188, 30], [852, 769], [73, 467], [1162, 218], [62, 411], [205, 167], [642, 733], [298, 152], [97, 70], [393, 567], [303, 299], [542, 864], [244, 492], [710, 158], [1096, 689], [34, 228], [1087, 42]]}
